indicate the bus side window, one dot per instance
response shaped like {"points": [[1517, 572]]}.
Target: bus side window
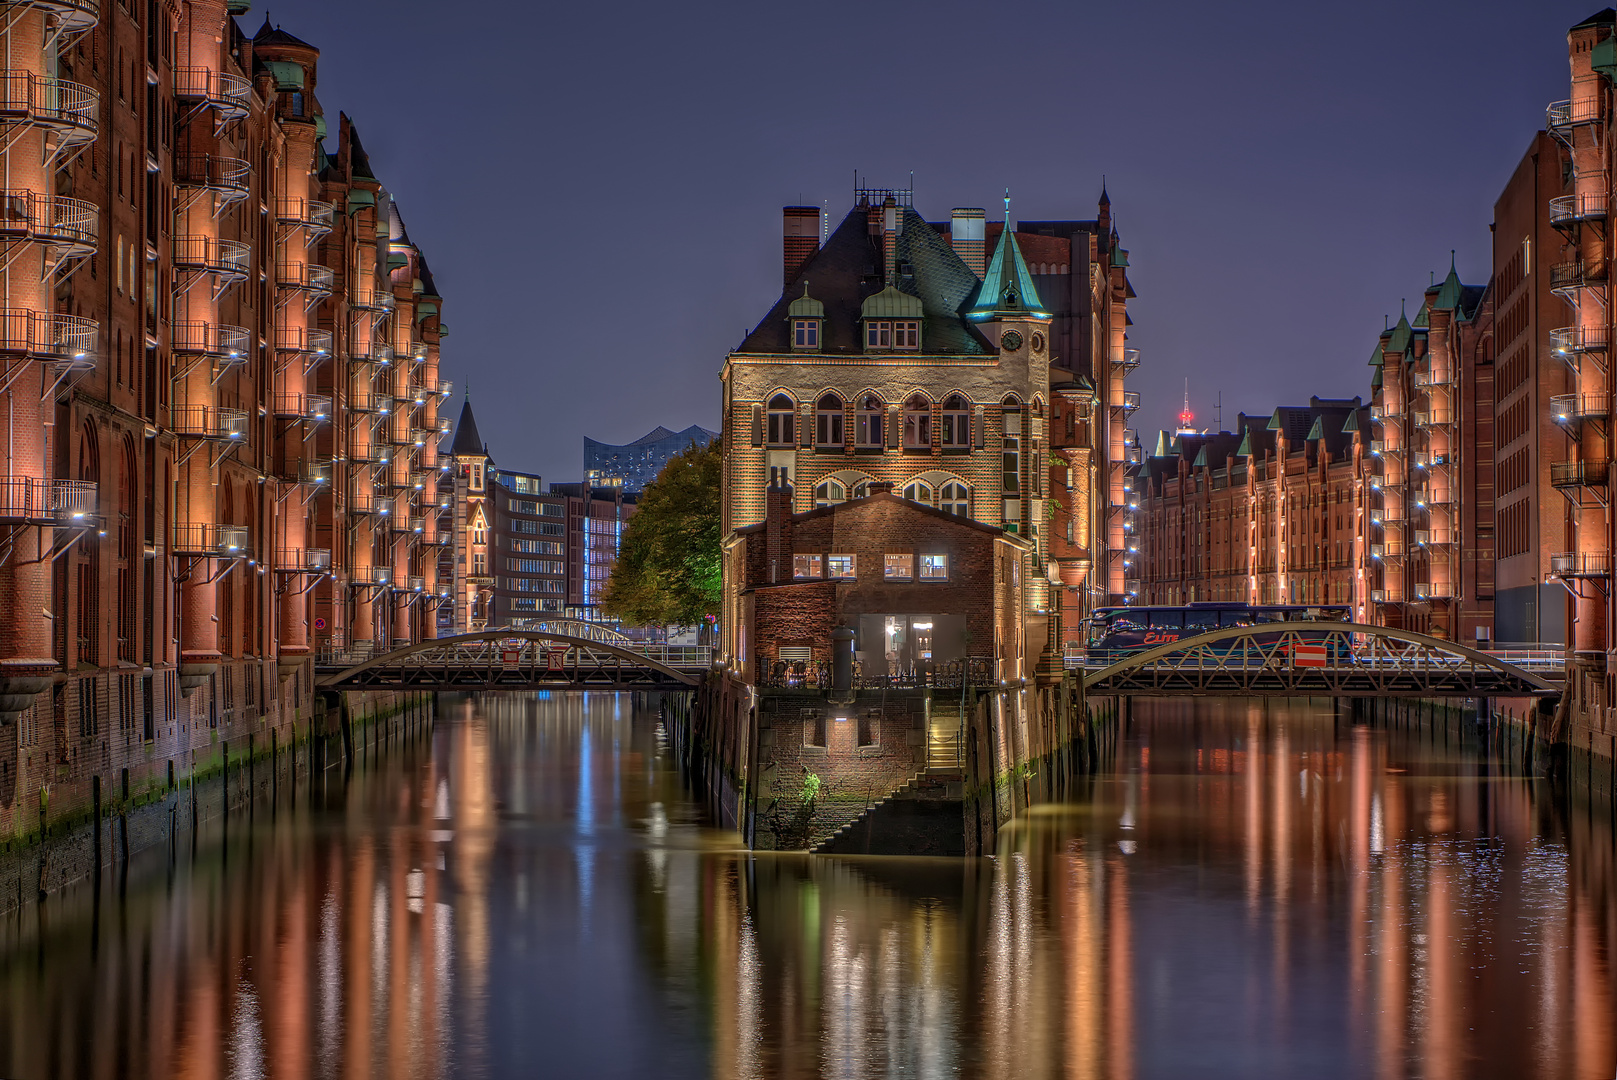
{"points": [[1168, 618], [1232, 618]]}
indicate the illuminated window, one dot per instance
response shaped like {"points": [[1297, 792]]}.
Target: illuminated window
{"points": [[934, 567], [919, 493], [828, 493], [839, 566], [805, 333], [954, 499], [956, 421], [780, 420], [806, 566], [898, 567], [828, 421], [867, 421], [917, 422]]}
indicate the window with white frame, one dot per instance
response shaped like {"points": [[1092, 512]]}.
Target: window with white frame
{"points": [[780, 420], [867, 421], [806, 566], [934, 567], [917, 422], [956, 421], [828, 421], [919, 492], [891, 334], [898, 567], [829, 493], [805, 333], [954, 499]]}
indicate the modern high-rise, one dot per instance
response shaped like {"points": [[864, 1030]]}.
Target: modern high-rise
{"points": [[632, 466]]}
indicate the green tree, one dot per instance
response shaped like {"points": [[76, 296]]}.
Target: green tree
{"points": [[668, 563]]}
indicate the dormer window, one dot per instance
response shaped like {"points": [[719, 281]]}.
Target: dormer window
{"points": [[893, 334], [805, 316], [892, 320]]}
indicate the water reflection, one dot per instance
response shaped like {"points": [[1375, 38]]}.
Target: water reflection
{"points": [[1251, 892]]}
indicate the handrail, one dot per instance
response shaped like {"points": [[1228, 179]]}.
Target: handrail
{"points": [[1581, 207], [40, 499], [47, 335], [306, 406], [1573, 339], [300, 339], [1578, 473], [1581, 564], [211, 538], [53, 219], [208, 422], [313, 214], [230, 344], [70, 106], [226, 92], [1566, 408], [216, 172], [1559, 114], [213, 255], [303, 560], [308, 277]]}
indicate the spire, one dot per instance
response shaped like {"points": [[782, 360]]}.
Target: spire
{"points": [[1105, 199], [468, 443], [1007, 287], [1448, 295]]}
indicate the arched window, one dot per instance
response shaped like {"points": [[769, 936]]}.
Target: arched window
{"points": [[861, 490], [867, 421], [917, 422], [780, 420], [829, 492], [828, 421], [953, 499], [919, 492], [956, 422]]}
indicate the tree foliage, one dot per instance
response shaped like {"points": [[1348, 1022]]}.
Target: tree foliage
{"points": [[668, 570]]}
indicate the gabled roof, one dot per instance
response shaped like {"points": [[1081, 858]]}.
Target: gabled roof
{"points": [[849, 268], [876, 499], [1448, 294], [274, 35], [1007, 288], [359, 162], [1401, 335], [468, 442], [1604, 17]]}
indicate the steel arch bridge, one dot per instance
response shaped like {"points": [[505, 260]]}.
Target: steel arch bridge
{"points": [[1313, 659], [520, 660]]}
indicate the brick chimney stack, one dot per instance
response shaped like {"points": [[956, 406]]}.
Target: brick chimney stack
{"points": [[968, 235], [891, 218], [778, 526], [800, 237]]}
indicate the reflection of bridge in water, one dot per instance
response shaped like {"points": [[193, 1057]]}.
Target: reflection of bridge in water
{"points": [[518, 660], [1318, 659]]}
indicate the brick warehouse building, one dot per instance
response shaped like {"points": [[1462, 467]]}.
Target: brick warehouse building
{"points": [[945, 360], [1271, 513], [220, 364]]}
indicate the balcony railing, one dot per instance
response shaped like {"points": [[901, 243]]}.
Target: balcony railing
{"points": [[227, 176], [208, 422], [1434, 590], [1388, 549], [226, 344], [230, 95], [1571, 474], [311, 214], [1436, 416], [1561, 115], [1578, 339], [46, 336], [1383, 412], [1571, 408], [372, 299], [42, 501], [418, 352], [1433, 378], [68, 108], [1575, 274], [298, 339], [445, 426], [1572, 209], [50, 219], [207, 254], [367, 503], [207, 538], [312, 407], [1130, 359], [306, 277], [1379, 596], [1434, 537], [1131, 400], [367, 401], [1581, 564], [1427, 459], [303, 560], [371, 576], [72, 17], [313, 473]]}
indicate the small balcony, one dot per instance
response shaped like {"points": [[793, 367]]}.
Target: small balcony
{"points": [[1378, 447], [311, 215], [45, 336], [418, 352], [1387, 549], [312, 343], [1571, 409], [1581, 564], [208, 422], [1436, 416], [1428, 459], [230, 96], [1568, 277], [72, 226], [1129, 360], [402, 522], [378, 300], [442, 387], [312, 279], [368, 401], [229, 259], [312, 408], [1578, 474], [303, 560], [417, 583], [445, 426], [1572, 340], [230, 178], [314, 472], [1383, 413], [45, 502], [366, 504], [1562, 116], [1131, 400], [420, 437], [1425, 379], [1434, 590], [1566, 210], [209, 539], [223, 343], [371, 577], [368, 452], [70, 18], [1434, 537], [69, 109], [1381, 596]]}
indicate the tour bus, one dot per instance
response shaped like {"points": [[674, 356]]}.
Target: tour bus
{"points": [[1115, 632]]}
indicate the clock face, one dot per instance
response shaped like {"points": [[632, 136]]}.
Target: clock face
{"points": [[1038, 342], [1011, 340]]}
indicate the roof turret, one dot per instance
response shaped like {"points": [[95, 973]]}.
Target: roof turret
{"points": [[1007, 288]]}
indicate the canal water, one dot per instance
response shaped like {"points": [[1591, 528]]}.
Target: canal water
{"points": [[1248, 891]]}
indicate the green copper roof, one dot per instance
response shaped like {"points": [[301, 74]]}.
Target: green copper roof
{"points": [[288, 76], [1118, 256], [1376, 357], [1375, 379], [1448, 296], [1164, 445], [1423, 318], [1201, 457], [1274, 423], [1318, 430], [1401, 335], [806, 307], [890, 303], [1245, 449], [1351, 424], [1603, 57], [1007, 288]]}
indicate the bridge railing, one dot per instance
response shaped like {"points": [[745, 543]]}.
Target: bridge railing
{"points": [[683, 657], [816, 675]]}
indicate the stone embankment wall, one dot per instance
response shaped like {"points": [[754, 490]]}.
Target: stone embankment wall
{"points": [[124, 818]]}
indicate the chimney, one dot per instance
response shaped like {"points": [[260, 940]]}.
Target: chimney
{"points": [[778, 526], [968, 236], [800, 237]]}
